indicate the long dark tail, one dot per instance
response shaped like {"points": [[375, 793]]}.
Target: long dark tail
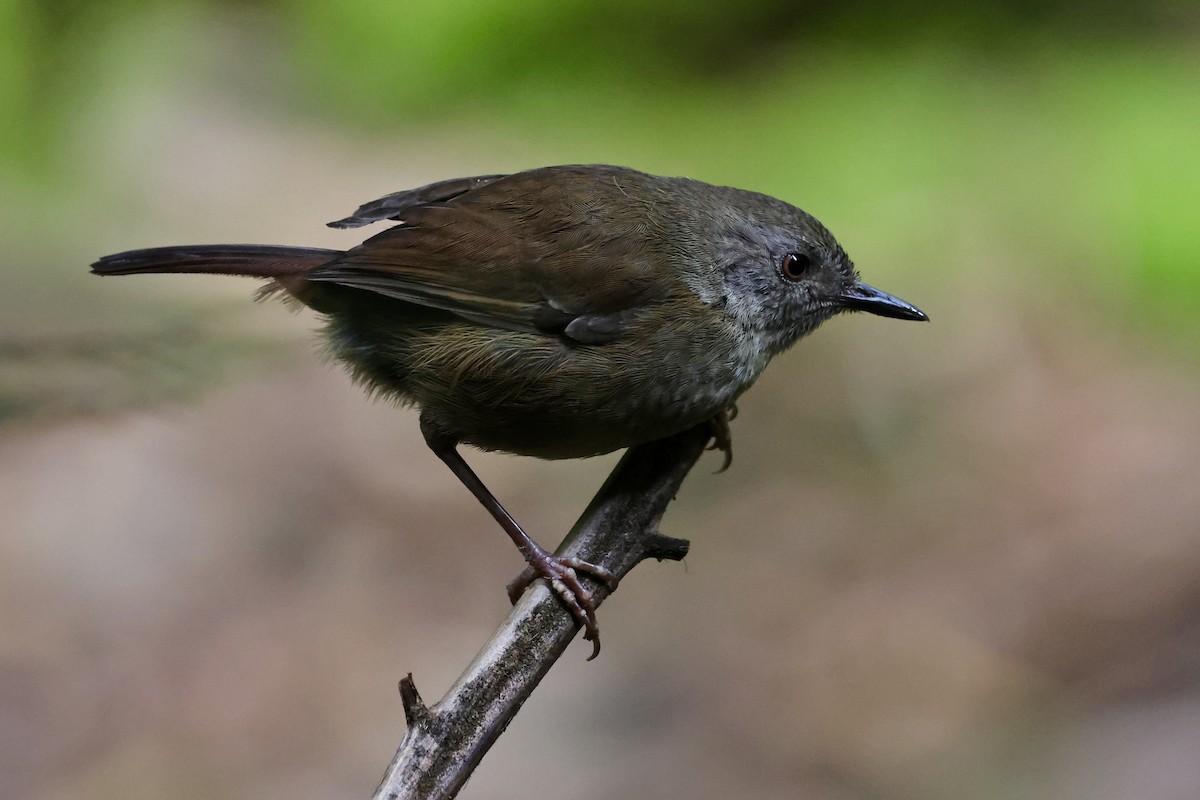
{"points": [[251, 260]]}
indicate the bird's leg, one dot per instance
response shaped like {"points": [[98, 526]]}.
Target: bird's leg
{"points": [[722, 437], [559, 572]]}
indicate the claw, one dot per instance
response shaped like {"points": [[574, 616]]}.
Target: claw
{"points": [[722, 437], [561, 574]]}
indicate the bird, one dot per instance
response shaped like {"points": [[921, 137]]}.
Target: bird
{"points": [[559, 312]]}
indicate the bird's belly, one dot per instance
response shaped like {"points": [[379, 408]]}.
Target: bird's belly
{"points": [[574, 413], [549, 398]]}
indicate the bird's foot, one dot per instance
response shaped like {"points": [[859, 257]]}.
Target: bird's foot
{"points": [[722, 436], [561, 574]]}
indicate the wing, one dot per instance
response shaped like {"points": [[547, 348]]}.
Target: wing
{"points": [[394, 205], [561, 250]]}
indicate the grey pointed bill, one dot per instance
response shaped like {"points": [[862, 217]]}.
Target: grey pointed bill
{"points": [[863, 297]]}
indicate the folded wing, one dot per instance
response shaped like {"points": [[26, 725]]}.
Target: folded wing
{"points": [[560, 251]]}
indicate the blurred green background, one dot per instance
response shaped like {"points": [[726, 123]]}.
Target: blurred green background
{"points": [[952, 560]]}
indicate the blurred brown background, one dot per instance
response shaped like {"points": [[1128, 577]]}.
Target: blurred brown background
{"points": [[952, 560]]}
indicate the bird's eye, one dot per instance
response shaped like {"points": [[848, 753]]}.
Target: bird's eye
{"points": [[795, 265]]}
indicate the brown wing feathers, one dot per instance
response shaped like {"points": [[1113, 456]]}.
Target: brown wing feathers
{"points": [[510, 252]]}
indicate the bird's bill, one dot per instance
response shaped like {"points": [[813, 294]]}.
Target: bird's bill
{"points": [[862, 297]]}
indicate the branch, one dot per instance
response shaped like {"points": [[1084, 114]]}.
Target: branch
{"points": [[444, 743]]}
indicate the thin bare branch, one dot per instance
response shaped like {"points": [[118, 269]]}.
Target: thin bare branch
{"points": [[444, 743]]}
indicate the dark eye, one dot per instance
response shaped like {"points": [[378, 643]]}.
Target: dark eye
{"points": [[795, 265]]}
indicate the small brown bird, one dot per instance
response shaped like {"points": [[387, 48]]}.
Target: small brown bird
{"points": [[560, 312]]}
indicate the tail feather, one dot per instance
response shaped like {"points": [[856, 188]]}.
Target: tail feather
{"points": [[250, 260]]}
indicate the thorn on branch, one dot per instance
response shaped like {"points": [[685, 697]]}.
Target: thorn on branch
{"points": [[416, 714], [665, 548], [517, 586]]}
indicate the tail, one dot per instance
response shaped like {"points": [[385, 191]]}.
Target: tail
{"points": [[250, 260]]}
